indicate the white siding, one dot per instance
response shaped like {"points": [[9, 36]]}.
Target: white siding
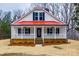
{"points": [[62, 34], [28, 18], [49, 18], [14, 33]]}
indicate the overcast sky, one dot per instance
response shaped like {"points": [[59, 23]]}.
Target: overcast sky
{"points": [[13, 6]]}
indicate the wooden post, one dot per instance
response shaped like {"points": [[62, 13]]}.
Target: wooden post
{"points": [[22, 32], [34, 34], [55, 33], [43, 33]]}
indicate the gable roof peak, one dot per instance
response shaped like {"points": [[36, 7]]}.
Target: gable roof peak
{"points": [[38, 7]]}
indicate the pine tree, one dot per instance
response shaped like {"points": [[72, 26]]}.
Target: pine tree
{"points": [[76, 15], [5, 25]]}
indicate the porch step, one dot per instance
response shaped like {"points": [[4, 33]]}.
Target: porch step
{"points": [[38, 41], [38, 45]]}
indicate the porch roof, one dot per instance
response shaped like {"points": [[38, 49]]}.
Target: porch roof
{"points": [[39, 23]]}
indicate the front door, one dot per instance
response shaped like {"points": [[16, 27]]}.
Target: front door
{"points": [[39, 36], [39, 32]]}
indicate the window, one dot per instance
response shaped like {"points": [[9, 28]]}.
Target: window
{"points": [[57, 30], [27, 30], [38, 16], [19, 30], [35, 15], [49, 31], [41, 16]]}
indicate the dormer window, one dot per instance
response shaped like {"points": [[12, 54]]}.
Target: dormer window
{"points": [[35, 16], [41, 16], [38, 16]]}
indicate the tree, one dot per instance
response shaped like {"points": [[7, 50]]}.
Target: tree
{"points": [[17, 14], [5, 25], [76, 15]]}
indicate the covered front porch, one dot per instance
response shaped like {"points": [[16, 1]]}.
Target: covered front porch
{"points": [[43, 31], [39, 34]]}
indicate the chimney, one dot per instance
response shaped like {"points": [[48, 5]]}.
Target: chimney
{"points": [[47, 9]]}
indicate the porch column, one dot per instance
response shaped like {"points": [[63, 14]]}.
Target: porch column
{"points": [[43, 33], [34, 34], [22, 32], [55, 33]]}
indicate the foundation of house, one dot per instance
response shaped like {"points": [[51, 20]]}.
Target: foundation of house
{"points": [[22, 42], [32, 42], [54, 41]]}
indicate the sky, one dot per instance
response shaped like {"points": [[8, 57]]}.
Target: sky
{"points": [[13, 6]]}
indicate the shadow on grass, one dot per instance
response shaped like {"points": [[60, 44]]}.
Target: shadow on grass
{"points": [[21, 54], [58, 47]]}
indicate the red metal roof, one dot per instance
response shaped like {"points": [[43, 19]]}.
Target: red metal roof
{"points": [[39, 23]]}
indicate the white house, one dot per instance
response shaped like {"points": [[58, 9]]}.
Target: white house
{"points": [[38, 26]]}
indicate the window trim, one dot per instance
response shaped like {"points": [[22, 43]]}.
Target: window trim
{"points": [[38, 16], [58, 32], [20, 31], [27, 32], [34, 16], [48, 30], [43, 16]]}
